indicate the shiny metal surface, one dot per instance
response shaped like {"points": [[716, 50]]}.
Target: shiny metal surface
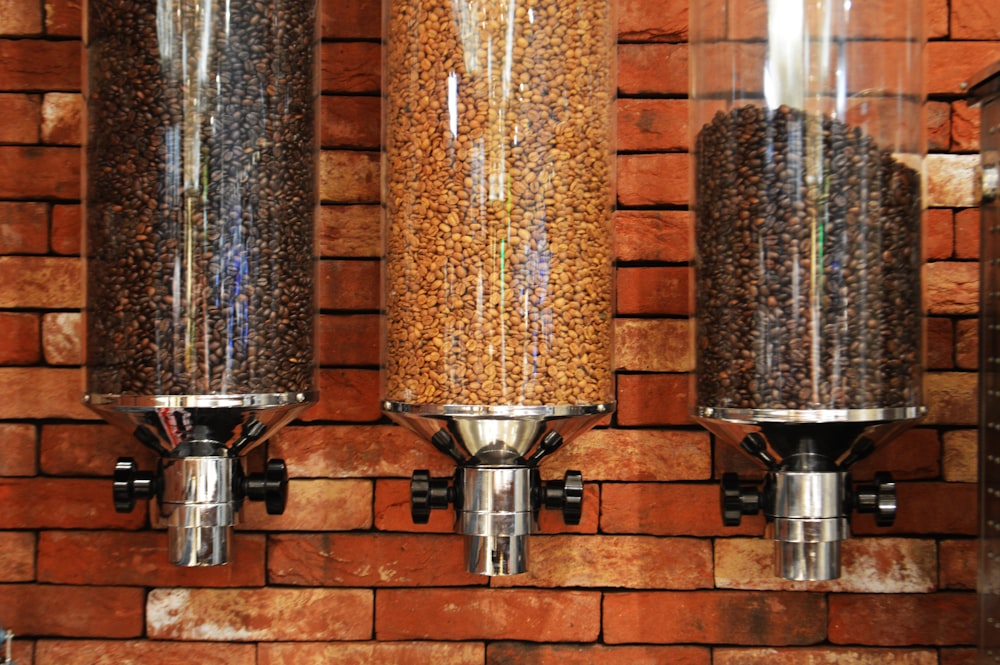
{"points": [[496, 555], [198, 504], [811, 495], [495, 514], [807, 562], [810, 415]]}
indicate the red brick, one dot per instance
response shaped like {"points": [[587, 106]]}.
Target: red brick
{"points": [[961, 456], [40, 281], [364, 653], [19, 18], [927, 508], [952, 287], [41, 392], [965, 124], [19, 338], [903, 619], [551, 521], [623, 455], [652, 125], [950, 398], [940, 343], [349, 177], [62, 503], [349, 285], [939, 234], [653, 179], [268, 614], [351, 19], [63, 18], [141, 652], [68, 450], [348, 341], [315, 505], [972, 19], [62, 115], [951, 180], [368, 560], [21, 113], [127, 558], [350, 122], [19, 449], [654, 235], [72, 611], [513, 614], [952, 64], [643, 399], [35, 64], [912, 455], [958, 656], [62, 338], [640, 21], [23, 228], [350, 231], [715, 617], [967, 344], [349, 395], [959, 560], [938, 126], [824, 656], [351, 67], [621, 562], [66, 229], [967, 226], [652, 69], [669, 509], [516, 653], [868, 565], [937, 18], [655, 290], [17, 556], [653, 345]]}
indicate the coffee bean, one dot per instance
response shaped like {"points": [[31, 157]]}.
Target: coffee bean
{"points": [[808, 288], [498, 195], [201, 187]]}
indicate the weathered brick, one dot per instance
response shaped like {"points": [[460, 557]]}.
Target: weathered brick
{"points": [[652, 399], [654, 179], [36, 64], [912, 455], [19, 448], [516, 653], [23, 228], [958, 656], [62, 338], [868, 565], [369, 560], [72, 611], [652, 125], [655, 290], [513, 614], [315, 505], [350, 231], [364, 653], [349, 285], [268, 614], [950, 398], [903, 619], [952, 64], [972, 19], [940, 343], [17, 556], [652, 69], [69, 450], [19, 338], [653, 235], [349, 176], [939, 234], [715, 617], [622, 455], [927, 508], [351, 19], [824, 656], [63, 18], [346, 395], [350, 122], [139, 558], [653, 345], [621, 562], [62, 115], [951, 180], [348, 341], [959, 559], [938, 126], [937, 18], [41, 392], [19, 18], [961, 456], [952, 287], [66, 229], [62, 503], [21, 113], [141, 652], [40, 282], [967, 225], [669, 509], [351, 67], [965, 124], [640, 21]]}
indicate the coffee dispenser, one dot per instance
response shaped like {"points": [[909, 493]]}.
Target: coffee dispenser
{"points": [[201, 189], [497, 189], [807, 142]]}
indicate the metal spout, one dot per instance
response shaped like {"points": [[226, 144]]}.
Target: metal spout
{"points": [[496, 513], [808, 520], [199, 507]]}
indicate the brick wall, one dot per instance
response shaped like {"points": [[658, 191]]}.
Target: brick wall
{"points": [[649, 576]]}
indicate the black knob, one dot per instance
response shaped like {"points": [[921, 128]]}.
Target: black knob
{"points": [[878, 499], [129, 484], [271, 486], [566, 494], [427, 494], [737, 500]]}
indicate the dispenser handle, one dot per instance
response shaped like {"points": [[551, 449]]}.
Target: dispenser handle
{"points": [[129, 484], [566, 494], [878, 499], [271, 486], [737, 500], [427, 494]]}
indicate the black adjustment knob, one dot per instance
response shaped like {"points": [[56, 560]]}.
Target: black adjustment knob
{"points": [[271, 486], [129, 484], [878, 499], [427, 494], [567, 495], [737, 500]]}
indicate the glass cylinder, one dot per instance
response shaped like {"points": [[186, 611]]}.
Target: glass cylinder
{"points": [[807, 137], [498, 194], [201, 189]]}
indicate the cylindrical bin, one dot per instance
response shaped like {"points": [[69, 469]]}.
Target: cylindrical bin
{"points": [[201, 191], [807, 149], [498, 193]]}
